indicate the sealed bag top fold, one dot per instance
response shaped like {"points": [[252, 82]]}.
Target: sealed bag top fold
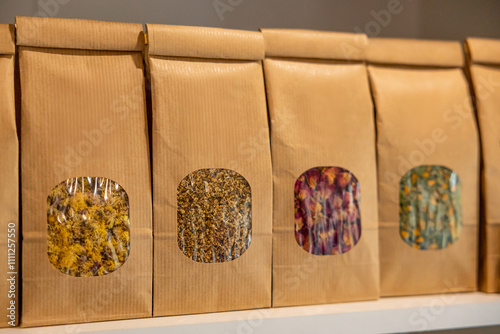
{"points": [[484, 50], [79, 34], [415, 52], [293, 43], [7, 45], [201, 42]]}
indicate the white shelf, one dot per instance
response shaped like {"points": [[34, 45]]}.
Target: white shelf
{"points": [[387, 315]]}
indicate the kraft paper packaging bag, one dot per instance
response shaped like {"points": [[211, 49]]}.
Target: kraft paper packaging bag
{"points": [[428, 167], [212, 177], [86, 188], [9, 183], [484, 65], [325, 237]]}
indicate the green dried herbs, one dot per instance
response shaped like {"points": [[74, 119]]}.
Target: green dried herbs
{"points": [[214, 215], [88, 226], [430, 213], [327, 219]]}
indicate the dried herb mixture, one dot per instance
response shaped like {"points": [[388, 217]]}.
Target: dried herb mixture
{"points": [[214, 215]]}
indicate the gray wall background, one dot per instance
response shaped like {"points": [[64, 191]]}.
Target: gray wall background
{"points": [[434, 19]]}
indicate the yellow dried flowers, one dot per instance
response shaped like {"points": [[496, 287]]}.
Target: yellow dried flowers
{"points": [[88, 226]]}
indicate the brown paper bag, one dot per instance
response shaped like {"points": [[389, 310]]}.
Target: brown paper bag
{"points": [[484, 65], [211, 170], [87, 211], [428, 167], [325, 243], [9, 183]]}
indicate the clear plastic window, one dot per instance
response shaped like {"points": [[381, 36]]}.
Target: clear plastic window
{"points": [[327, 218], [430, 214], [214, 215], [88, 226]]}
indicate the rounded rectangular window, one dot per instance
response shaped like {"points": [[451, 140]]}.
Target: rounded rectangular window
{"points": [[327, 218], [214, 215], [88, 226], [430, 212]]}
